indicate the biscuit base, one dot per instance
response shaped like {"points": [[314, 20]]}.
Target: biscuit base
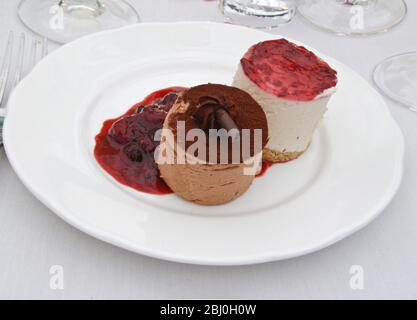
{"points": [[280, 157]]}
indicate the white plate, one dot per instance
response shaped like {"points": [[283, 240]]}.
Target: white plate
{"points": [[349, 174]]}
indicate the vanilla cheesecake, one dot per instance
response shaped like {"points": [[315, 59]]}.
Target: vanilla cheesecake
{"points": [[293, 86]]}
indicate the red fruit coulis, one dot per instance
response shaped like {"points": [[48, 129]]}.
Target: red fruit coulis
{"points": [[265, 166], [125, 145], [287, 70]]}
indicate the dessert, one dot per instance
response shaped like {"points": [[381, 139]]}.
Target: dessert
{"points": [[206, 143], [125, 146], [211, 178], [293, 86]]}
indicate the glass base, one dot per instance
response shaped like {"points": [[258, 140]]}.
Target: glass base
{"points": [[259, 13], [353, 17], [397, 78], [65, 20]]}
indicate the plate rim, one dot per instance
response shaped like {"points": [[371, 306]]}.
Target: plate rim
{"points": [[93, 231]]}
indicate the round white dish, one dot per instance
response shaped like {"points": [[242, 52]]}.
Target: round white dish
{"points": [[348, 175]]}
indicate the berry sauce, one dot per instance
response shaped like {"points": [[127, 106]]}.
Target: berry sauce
{"points": [[125, 145], [287, 71], [265, 166]]}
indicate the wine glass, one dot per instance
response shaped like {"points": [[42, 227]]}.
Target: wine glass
{"points": [[353, 17], [65, 20], [396, 76]]}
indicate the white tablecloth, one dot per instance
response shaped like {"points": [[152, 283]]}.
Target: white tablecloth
{"points": [[32, 238]]}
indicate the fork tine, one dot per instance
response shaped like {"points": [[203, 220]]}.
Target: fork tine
{"points": [[34, 53], [20, 58], [44, 47], [4, 74]]}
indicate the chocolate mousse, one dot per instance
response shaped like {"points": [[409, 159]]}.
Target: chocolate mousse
{"points": [[293, 86], [220, 174]]}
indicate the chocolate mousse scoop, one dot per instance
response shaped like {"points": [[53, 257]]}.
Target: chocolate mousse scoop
{"points": [[207, 107]]}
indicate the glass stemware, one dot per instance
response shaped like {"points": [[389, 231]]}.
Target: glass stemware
{"points": [[396, 76], [65, 20], [353, 17]]}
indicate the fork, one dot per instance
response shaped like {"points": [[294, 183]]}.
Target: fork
{"points": [[9, 81]]}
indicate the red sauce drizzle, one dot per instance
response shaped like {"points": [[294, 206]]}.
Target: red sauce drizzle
{"points": [[265, 166], [288, 71], [125, 145]]}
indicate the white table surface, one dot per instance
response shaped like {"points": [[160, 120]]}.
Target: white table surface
{"points": [[32, 238]]}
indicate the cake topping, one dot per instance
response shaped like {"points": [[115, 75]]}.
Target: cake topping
{"points": [[215, 106], [212, 115], [287, 71], [224, 119]]}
